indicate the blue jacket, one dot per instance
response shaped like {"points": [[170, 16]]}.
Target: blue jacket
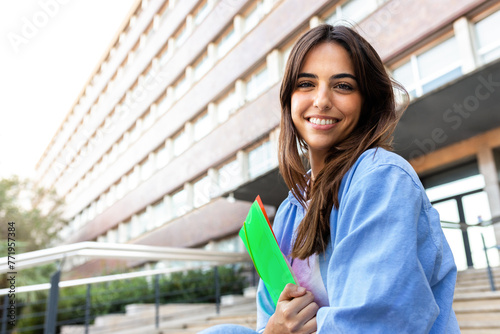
{"points": [[387, 267]]}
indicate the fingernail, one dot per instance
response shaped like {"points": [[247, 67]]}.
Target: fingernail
{"points": [[301, 289]]}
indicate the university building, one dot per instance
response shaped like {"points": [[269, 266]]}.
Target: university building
{"points": [[175, 133]]}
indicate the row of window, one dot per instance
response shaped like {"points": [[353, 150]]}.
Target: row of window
{"points": [[68, 125], [70, 154], [425, 71], [246, 90], [201, 65], [139, 91], [248, 164]]}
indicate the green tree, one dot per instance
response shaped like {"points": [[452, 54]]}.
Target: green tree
{"points": [[36, 214]]}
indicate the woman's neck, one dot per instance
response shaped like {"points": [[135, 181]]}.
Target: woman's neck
{"points": [[317, 161]]}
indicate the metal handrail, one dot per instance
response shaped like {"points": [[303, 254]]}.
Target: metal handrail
{"points": [[90, 249], [490, 273]]}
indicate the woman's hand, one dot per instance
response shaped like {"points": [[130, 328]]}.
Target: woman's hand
{"points": [[295, 312]]}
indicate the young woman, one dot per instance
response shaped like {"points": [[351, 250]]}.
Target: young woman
{"points": [[358, 229]]}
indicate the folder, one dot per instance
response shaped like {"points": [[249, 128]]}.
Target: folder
{"points": [[260, 242]]}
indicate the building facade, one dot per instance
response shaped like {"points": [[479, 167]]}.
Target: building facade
{"points": [[176, 131]]}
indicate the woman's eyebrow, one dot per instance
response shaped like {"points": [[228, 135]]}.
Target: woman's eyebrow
{"points": [[307, 75], [343, 75], [333, 77]]}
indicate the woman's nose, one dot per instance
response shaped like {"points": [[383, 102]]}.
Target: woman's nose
{"points": [[323, 100]]}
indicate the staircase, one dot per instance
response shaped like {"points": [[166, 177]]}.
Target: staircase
{"points": [[476, 306]]}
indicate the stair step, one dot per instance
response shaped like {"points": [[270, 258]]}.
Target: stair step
{"points": [[490, 295], [486, 324], [479, 331], [478, 316]]}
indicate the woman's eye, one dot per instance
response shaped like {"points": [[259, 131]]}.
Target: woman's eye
{"points": [[343, 86], [304, 84]]}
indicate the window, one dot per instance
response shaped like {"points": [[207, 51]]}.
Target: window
{"points": [[229, 176], [458, 195], [159, 213], [201, 66], [181, 35], [163, 104], [431, 69], [143, 222], [148, 119], [487, 38], [181, 87], [226, 106], [180, 143], [353, 11], [201, 12], [180, 203], [202, 191], [122, 233], [135, 227], [226, 43], [133, 179], [161, 157], [147, 168], [164, 55], [253, 17], [260, 159], [135, 132], [111, 236], [120, 188], [257, 84], [202, 126]]}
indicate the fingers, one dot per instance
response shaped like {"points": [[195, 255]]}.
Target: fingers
{"points": [[309, 311], [310, 326], [291, 291], [300, 303]]}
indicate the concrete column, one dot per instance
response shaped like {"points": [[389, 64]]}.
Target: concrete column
{"points": [[463, 34], [212, 114], [213, 176], [487, 168], [156, 22], [171, 45], [211, 3], [212, 54], [314, 22], [240, 93], [239, 26], [189, 24], [190, 76]]}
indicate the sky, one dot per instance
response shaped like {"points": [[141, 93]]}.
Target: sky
{"points": [[48, 50]]}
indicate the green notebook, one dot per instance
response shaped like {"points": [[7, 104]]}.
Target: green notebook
{"points": [[261, 244]]}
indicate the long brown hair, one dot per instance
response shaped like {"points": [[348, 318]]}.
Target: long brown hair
{"points": [[374, 129]]}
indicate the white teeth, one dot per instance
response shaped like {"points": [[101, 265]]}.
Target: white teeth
{"points": [[322, 121]]}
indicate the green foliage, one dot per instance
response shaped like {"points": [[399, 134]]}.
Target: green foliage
{"points": [[35, 211]]}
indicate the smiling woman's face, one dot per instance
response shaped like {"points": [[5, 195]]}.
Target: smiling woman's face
{"points": [[326, 104]]}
